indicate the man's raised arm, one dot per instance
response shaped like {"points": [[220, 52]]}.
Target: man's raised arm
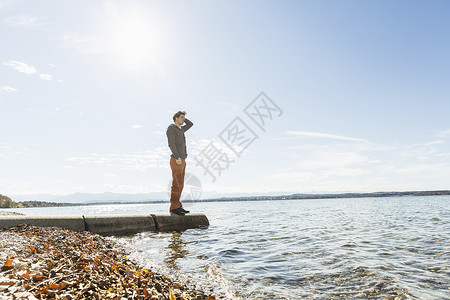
{"points": [[187, 125]]}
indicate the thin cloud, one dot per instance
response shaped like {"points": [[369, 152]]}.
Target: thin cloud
{"points": [[443, 134], [69, 167], [325, 135], [435, 143], [26, 69], [45, 76], [20, 66], [8, 89], [83, 44], [140, 161], [137, 126], [5, 4], [23, 20], [110, 175]]}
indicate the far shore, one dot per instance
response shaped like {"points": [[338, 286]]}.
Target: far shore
{"points": [[254, 198]]}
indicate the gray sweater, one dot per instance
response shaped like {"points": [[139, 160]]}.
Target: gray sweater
{"points": [[177, 140]]}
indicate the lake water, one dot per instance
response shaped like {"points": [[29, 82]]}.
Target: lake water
{"points": [[301, 249]]}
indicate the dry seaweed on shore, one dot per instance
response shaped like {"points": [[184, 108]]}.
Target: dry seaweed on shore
{"points": [[10, 213], [53, 263]]}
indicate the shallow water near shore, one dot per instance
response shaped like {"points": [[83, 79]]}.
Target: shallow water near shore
{"points": [[313, 249]]}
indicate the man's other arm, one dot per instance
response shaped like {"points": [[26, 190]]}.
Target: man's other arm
{"points": [[171, 139]]}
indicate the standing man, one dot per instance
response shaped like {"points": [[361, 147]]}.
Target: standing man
{"points": [[177, 144]]}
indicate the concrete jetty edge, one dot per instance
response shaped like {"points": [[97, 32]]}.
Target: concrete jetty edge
{"points": [[112, 224]]}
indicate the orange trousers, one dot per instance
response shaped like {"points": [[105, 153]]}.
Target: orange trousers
{"points": [[177, 182]]}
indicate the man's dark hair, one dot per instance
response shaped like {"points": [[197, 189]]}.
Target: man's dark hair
{"points": [[178, 114]]}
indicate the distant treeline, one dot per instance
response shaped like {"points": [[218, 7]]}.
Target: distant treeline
{"points": [[6, 202], [371, 195], [333, 196], [44, 204]]}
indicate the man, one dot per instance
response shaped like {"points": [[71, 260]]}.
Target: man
{"points": [[177, 144]]}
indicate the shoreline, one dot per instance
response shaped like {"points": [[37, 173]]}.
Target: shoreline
{"points": [[246, 198], [50, 262], [10, 213]]}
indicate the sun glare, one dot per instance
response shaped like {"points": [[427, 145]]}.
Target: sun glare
{"points": [[134, 39]]}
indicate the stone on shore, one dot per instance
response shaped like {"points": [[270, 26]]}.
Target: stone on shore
{"points": [[55, 263]]}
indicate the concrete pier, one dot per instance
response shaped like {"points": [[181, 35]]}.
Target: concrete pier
{"points": [[175, 222], [112, 224], [68, 222], [119, 225]]}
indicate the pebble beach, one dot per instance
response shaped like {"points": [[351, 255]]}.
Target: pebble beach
{"points": [[54, 263]]}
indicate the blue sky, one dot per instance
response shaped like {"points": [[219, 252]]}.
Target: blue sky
{"points": [[88, 88]]}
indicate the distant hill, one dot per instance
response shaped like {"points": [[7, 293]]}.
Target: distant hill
{"points": [[110, 197], [92, 198], [87, 198], [6, 202]]}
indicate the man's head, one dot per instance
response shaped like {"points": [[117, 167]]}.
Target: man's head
{"points": [[179, 117]]}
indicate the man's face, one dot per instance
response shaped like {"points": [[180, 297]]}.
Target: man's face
{"points": [[180, 120]]}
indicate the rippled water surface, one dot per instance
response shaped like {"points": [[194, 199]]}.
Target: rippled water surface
{"points": [[314, 249]]}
